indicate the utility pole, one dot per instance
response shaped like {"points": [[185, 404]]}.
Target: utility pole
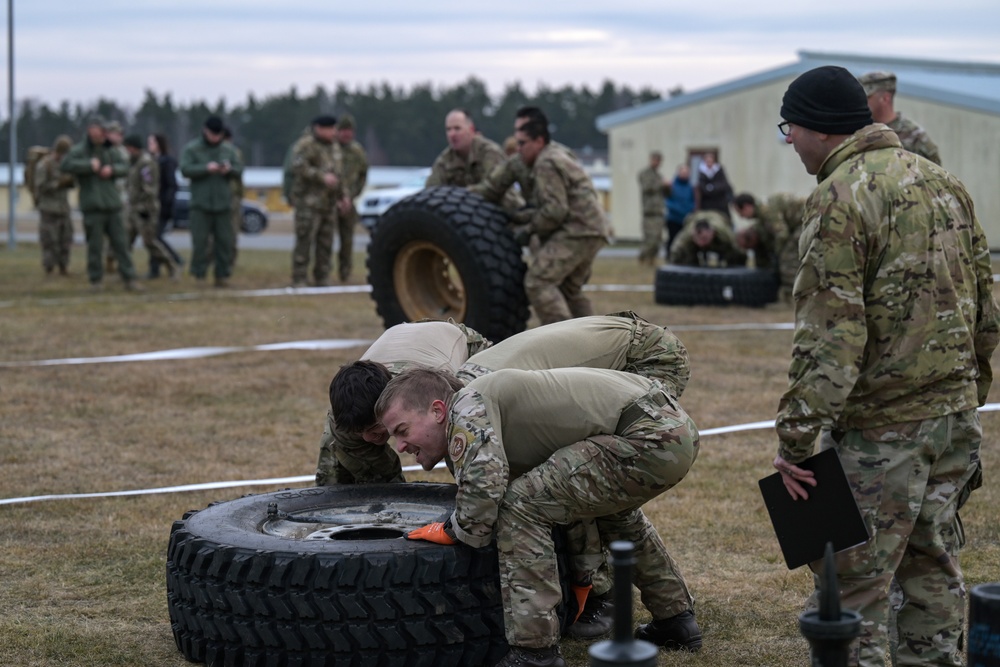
{"points": [[11, 185]]}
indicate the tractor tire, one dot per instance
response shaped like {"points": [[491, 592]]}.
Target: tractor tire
{"points": [[699, 286], [325, 576], [445, 252]]}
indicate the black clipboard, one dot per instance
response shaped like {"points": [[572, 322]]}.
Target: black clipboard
{"points": [[831, 514]]}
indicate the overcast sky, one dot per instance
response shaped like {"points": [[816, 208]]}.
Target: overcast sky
{"points": [[206, 49]]}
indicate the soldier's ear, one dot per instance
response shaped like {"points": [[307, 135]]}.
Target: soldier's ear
{"points": [[439, 409]]}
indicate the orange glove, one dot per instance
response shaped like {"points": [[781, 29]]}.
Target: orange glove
{"points": [[432, 532], [581, 593]]}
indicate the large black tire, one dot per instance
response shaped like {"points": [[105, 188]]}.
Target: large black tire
{"points": [[245, 587], [697, 286], [446, 252]]}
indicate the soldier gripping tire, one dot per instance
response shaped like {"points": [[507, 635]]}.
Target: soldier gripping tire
{"points": [[446, 252], [324, 576], [698, 286]]}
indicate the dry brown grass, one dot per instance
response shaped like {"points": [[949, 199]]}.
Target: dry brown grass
{"points": [[82, 581]]}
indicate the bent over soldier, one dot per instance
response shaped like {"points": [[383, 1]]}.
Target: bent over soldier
{"points": [[531, 450]]}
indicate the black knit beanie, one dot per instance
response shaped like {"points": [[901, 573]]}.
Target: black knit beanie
{"points": [[827, 99]]}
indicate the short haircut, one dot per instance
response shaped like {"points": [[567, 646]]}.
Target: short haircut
{"points": [[417, 388], [535, 128], [354, 391], [744, 199], [464, 112]]}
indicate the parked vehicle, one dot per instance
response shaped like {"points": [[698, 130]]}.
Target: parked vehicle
{"points": [[376, 202], [254, 215]]}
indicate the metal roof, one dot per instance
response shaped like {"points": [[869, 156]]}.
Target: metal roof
{"points": [[968, 85]]}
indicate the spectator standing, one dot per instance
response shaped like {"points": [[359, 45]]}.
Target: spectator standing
{"points": [[159, 148], [317, 165], [354, 177], [880, 87], [236, 192], [653, 190], [680, 203], [209, 162], [895, 325], [96, 164], [143, 186], [713, 191], [55, 227]]}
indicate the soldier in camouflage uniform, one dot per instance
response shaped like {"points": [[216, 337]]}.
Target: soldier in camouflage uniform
{"points": [[115, 134], [881, 90], [563, 225], [895, 325], [317, 165], [469, 158], [55, 228], [706, 240], [653, 190], [354, 448], [143, 187], [534, 449], [236, 194], [353, 177]]}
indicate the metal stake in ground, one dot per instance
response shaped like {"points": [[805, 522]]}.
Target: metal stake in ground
{"points": [[984, 626], [623, 649], [829, 629]]}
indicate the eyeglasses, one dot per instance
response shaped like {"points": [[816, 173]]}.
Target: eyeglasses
{"points": [[785, 128]]}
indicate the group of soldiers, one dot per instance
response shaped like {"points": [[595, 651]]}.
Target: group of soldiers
{"points": [[549, 198], [119, 179], [326, 170], [770, 239]]}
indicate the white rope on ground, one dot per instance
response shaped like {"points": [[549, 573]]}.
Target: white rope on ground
{"points": [[989, 407]]}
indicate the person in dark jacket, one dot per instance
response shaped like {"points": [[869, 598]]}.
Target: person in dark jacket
{"points": [[96, 164], [210, 163], [160, 149], [713, 192]]}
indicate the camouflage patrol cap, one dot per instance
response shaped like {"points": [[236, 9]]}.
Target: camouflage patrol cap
{"points": [[62, 144], [873, 82], [113, 126], [346, 122]]}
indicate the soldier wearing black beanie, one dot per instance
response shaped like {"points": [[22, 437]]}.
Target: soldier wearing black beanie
{"points": [[827, 99]]}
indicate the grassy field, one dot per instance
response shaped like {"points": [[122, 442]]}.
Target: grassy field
{"points": [[82, 581]]}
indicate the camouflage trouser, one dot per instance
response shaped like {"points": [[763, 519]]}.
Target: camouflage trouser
{"points": [[313, 236], [656, 353], [146, 227], [909, 480], [345, 254], [211, 232], [97, 224], [55, 234], [236, 213], [607, 478], [652, 237], [556, 274], [345, 458]]}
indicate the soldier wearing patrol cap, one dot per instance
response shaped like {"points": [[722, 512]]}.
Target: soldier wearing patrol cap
{"points": [[880, 87], [895, 323], [55, 229], [354, 177]]}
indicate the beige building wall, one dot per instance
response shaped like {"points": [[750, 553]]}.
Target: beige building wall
{"points": [[743, 126]]}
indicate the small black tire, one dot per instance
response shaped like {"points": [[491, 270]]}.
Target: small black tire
{"points": [[254, 222], [251, 588], [445, 252], [697, 286]]}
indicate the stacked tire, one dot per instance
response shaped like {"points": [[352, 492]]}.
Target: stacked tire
{"points": [[445, 252]]}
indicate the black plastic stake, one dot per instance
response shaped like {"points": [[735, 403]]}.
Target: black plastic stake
{"points": [[623, 649], [984, 626], [830, 629]]}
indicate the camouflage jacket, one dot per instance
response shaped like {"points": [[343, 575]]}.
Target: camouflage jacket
{"points": [[311, 160], [653, 192], [144, 185], [510, 172], [502, 425], [894, 309], [96, 193], [685, 252], [914, 138], [355, 169], [452, 169], [564, 199], [52, 186]]}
